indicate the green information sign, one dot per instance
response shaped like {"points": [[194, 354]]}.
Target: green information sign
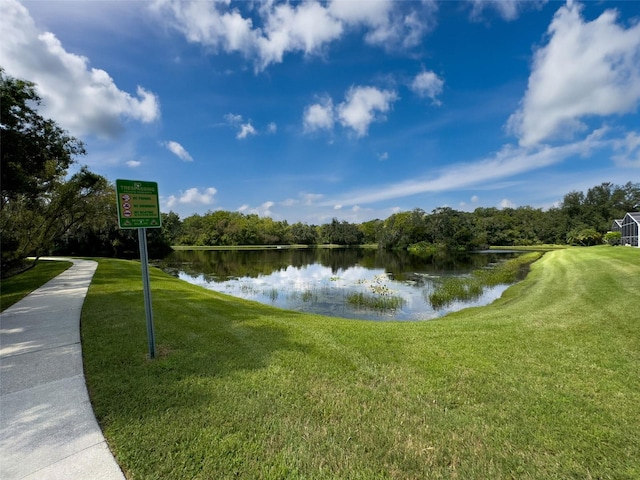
{"points": [[138, 204]]}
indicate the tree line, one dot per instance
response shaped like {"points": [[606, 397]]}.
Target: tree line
{"points": [[43, 211], [580, 219]]}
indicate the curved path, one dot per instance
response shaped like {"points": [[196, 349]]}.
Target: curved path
{"points": [[47, 427]]}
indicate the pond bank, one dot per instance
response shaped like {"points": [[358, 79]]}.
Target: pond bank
{"points": [[450, 289], [541, 384], [350, 283]]}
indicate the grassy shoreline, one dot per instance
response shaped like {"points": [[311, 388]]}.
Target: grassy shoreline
{"points": [[540, 384], [14, 289], [449, 289]]}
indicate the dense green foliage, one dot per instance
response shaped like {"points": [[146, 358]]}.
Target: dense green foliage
{"points": [[35, 152], [42, 210], [36, 204], [580, 219], [572, 222], [542, 384], [612, 238], [99, 234], [38, 226]]}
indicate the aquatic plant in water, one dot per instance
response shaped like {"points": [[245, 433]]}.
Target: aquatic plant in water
{"points": [[248, 289], [381, 297], [383, 303], [272, 294], [450, 289], [309, 296]]}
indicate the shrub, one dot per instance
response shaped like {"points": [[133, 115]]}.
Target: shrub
{"points": [[613, 238]]}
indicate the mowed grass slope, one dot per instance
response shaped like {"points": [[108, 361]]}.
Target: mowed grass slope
{"points": [[544, 383], [15, 288]]}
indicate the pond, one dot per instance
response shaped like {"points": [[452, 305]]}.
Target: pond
{"points": [[335, 282]]}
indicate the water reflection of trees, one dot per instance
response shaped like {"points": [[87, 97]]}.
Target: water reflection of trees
{"points": [[222, 265]]}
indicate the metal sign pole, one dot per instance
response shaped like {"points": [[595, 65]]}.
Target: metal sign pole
{"points": [[139, 207], [144, 261]]}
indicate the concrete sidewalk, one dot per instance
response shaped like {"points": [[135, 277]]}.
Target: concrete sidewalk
{"points": [[47, 427]]}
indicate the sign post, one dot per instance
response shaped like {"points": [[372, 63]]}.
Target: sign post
{"points": [[139, 207]]}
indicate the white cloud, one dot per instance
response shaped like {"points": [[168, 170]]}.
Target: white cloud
{"points": [[506, 203], [507, 9], [83, 100], [133, 163], [233, 118], [207, 23], [178, 150], [374, 15], [364, 105], [272, 28], [474, 199], [263, 210], [193, 197], [508, 162], [585, 69], [629, 151], [272, 128], [337, 207], [311, 198], [361, 107], [383, 156], [319, 116], [427, 85], [388, 24], [306, 27], [246, 129]]}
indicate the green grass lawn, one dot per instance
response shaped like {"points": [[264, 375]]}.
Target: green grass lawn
{"points": [[542, 384], [15, 288]]}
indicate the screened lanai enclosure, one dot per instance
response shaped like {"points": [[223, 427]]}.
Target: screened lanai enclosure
{"points": [[629, 229], [616, 226]]}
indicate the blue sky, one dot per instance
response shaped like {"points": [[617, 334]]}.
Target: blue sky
{"points": [[353, 109]]}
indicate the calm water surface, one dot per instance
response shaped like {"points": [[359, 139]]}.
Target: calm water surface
{"points": [[319, 280]]}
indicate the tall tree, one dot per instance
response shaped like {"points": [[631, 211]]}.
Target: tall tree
{"points": [[35, 151], [171, 227], [35, 156], [371, 230], [303, 234], [341, 233]]}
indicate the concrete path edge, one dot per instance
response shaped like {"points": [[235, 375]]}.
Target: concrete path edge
{"points": [[48, 429]]}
